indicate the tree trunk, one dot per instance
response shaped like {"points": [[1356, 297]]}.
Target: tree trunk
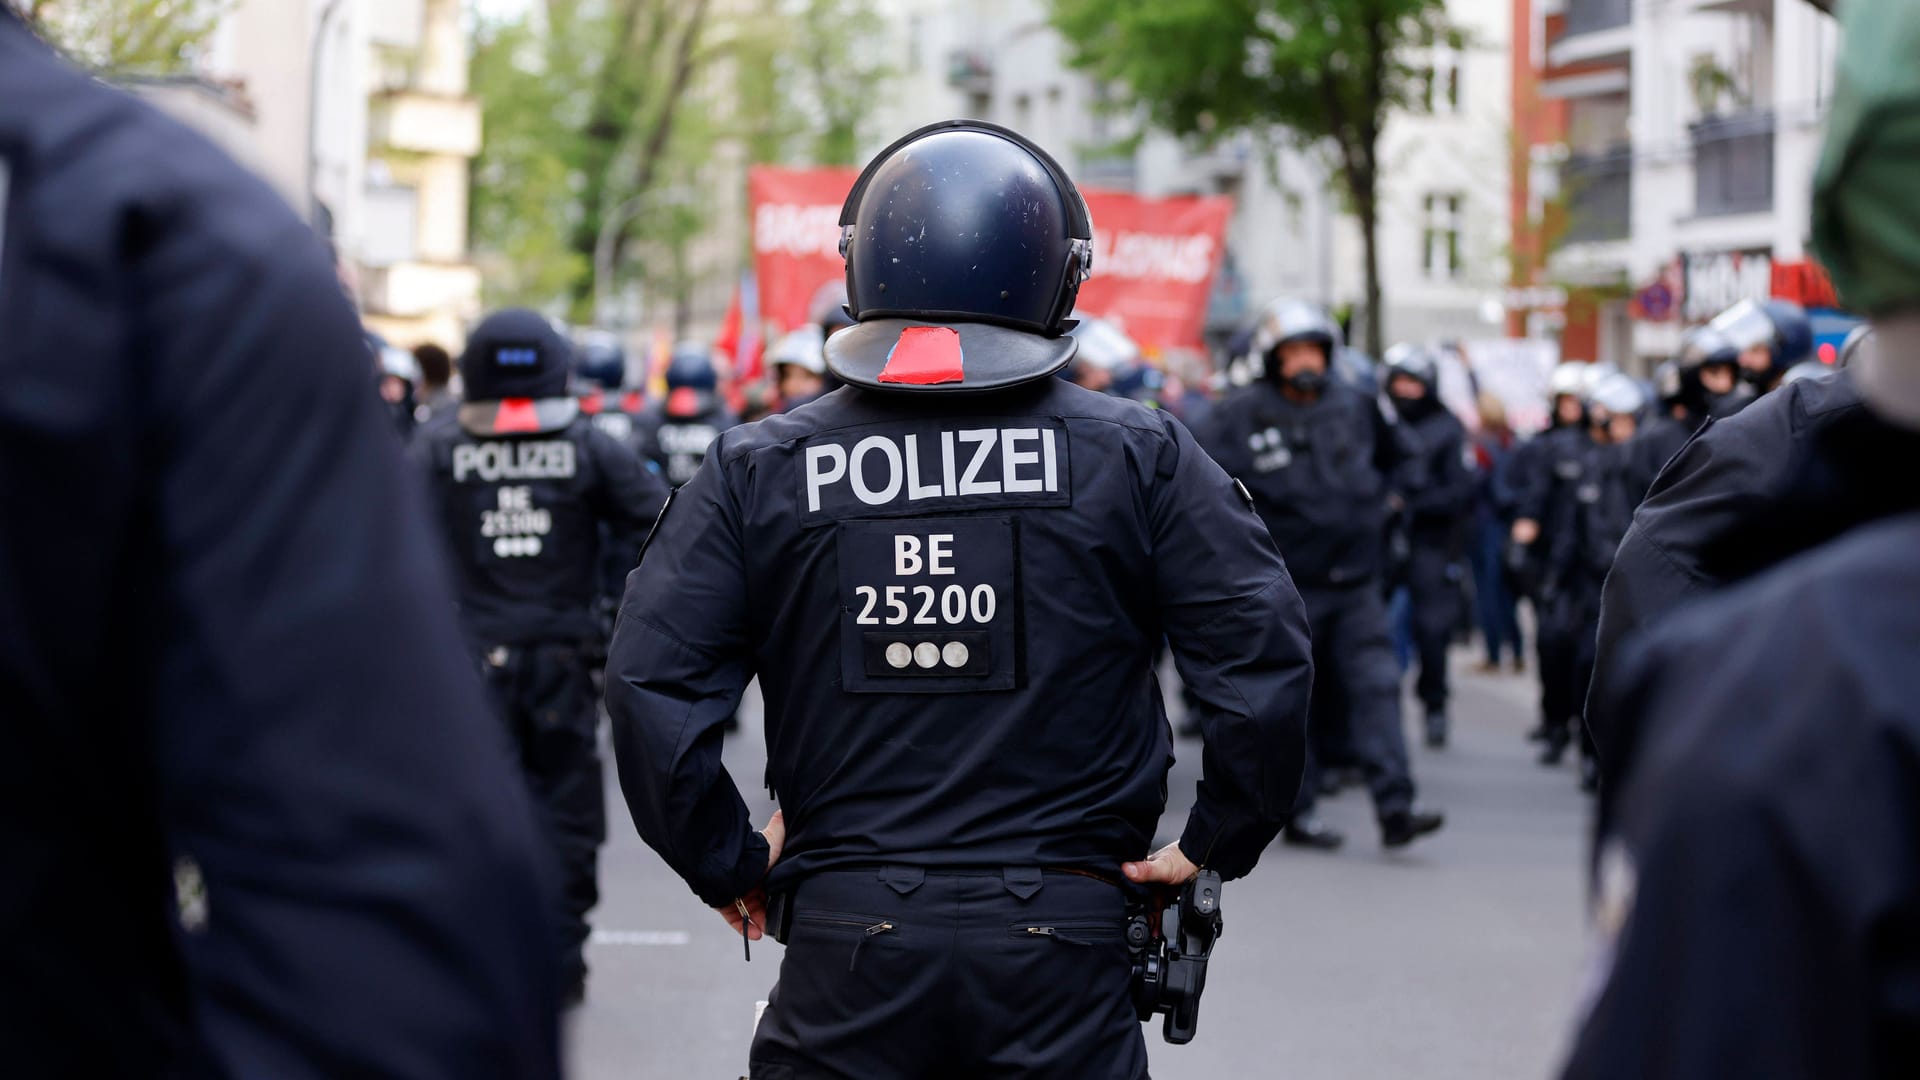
{"points": [[1366, 201]]}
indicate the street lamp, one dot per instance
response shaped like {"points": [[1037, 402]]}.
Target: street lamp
{"points": [[617, 219]]}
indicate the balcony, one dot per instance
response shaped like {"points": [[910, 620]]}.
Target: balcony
{"points": [[1733, 164], [1599, 189], [970, 71], [425, 123], [1592, 31]]}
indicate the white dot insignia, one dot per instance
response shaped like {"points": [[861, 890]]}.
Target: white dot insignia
{"points": [[926, 654], [899, 655], [955, 654]]}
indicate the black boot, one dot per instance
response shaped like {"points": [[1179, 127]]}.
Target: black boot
{"points": [[1403, 827], [1436, 727], [1308, 831], [1555, 749]]}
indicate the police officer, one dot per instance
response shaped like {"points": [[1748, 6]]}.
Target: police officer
{"points": [[1439, 491], [674, 437], [950, 577], [1580, 554], [434, 396], [600, 375], [1316, 455], [1665, 428], [1550, 470], [523, 485], [250, 818], [1769, 337], [396, 372], [1758, 898]]}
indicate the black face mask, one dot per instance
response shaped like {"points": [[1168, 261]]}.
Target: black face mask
{"points": [[1307, 382], [1411, 408], [1760, 381]]}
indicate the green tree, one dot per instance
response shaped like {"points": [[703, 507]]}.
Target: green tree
{"points": [[1327, 73], [127, 37], [617, 112]]}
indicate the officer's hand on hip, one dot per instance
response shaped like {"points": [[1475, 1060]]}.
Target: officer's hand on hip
{"points": [[753, 907], [1168, 866]]}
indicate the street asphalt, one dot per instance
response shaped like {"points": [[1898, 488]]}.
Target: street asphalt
{"points": [[1457, 959]]}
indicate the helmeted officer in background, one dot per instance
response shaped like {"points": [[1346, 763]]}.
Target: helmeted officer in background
{"points": [[1815, 459], [1549, 472], [251, 820], [606, 395], [1438, 490], [1769, 337], [1579, 555], [1316, 456], [395, 373], [951, 577], [674, 437], [523, 486]]}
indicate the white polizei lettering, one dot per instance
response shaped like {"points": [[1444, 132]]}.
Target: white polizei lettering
{"points": [[1050, 469], [986, 437], [946, 464], [940, 554], [491, 461], [906, 556], [915, 489], [857, 473], [1011, 460], [835, 458]]}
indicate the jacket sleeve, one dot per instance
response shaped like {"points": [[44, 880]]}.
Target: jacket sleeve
{"points": [[1238, 633], [328, 776], [677, 666]]}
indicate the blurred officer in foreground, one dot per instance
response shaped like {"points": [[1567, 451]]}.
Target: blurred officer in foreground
{"points": [[1439, 494], [1759, 889], [1550, 470], [1819, 457], [1769, 337], [252, 820], [951, 577], [1316, 455], [675, 436], [527, 490]]}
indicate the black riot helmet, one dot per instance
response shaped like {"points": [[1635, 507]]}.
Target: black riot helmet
{"points": [[1704, 347], [1666, 382], [965, 247], [692, 382], [516, 367], [599, 360]]}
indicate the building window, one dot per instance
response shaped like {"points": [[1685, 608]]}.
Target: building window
{"points": [[1440, 255], [1443, 83]]}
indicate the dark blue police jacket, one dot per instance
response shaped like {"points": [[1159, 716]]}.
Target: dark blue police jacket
{"points": [[953, 603], [253, 819], [1761, 883]]}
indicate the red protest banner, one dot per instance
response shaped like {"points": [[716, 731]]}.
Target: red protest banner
{"points": [[1153, 263], [796, 237]]}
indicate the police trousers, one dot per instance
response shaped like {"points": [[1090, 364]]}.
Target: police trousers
{"points": [[543, 693], [1569, 621], [1353, 665], [899, 973], [1433, 584]]}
